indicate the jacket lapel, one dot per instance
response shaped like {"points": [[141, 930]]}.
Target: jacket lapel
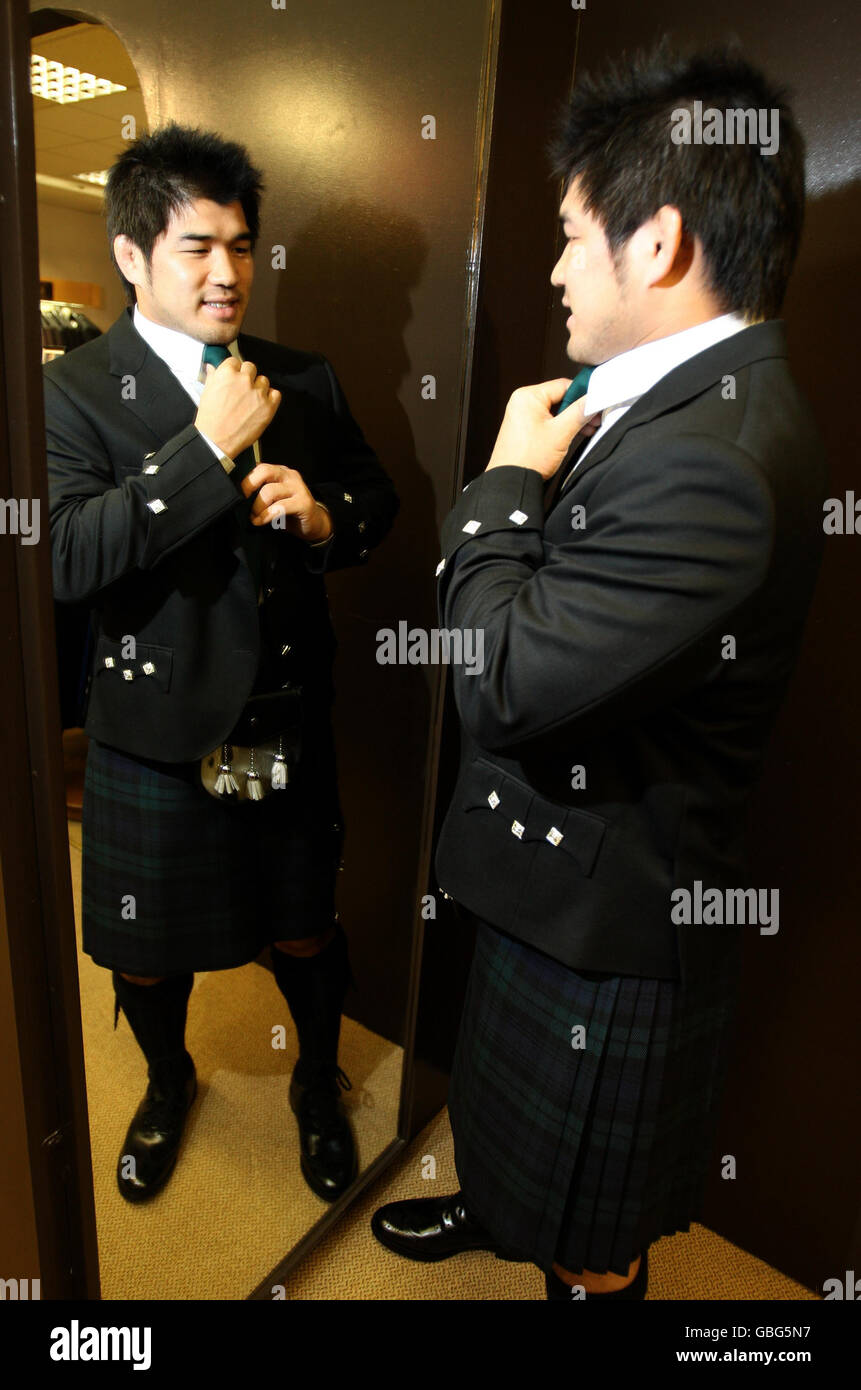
{"points": [[696, 375], [149, 388], [159, 402], [165, 408], [285, 438]]}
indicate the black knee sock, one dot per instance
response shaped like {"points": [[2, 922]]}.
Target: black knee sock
{"points": [[156, 1015], [315, 987]]}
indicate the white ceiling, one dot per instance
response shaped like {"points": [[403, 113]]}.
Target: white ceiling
{"points": [[83, 136]]}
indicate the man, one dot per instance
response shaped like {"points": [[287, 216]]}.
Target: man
{"points": [[642, 597], [202, 482]]}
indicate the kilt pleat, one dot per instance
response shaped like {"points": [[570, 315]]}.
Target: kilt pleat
{"points": [[611, 1137], [694, 1074], [173, 880], [582, 1155]]}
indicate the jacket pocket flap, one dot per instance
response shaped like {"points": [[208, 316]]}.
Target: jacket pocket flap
{"points": [[149, 663], [532, 818], [576, 833], [486, 787]]}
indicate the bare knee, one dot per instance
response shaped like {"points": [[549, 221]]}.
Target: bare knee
{"points": [[306, 945]]}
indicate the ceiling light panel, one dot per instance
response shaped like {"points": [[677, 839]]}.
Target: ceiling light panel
{"points": [[56, 81], [100, 177]]}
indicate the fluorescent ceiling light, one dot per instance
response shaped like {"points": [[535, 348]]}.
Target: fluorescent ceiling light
{"points": [[100, 177], [56, 82], [81, 190]]}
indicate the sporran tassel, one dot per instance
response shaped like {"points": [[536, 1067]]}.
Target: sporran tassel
{"points": [[253, 785], [226, 784], [279, 769]]}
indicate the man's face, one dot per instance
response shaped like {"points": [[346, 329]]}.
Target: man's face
{"points": [[199, 278], [603, 317]]}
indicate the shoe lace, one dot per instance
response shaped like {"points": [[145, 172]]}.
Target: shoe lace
{"points": [[167, 1091], [322, 1101], [164, 1109]]}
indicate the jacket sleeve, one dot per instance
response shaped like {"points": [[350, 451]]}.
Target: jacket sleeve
{"points": [[99, 530], [620, 618], [357, 491]]}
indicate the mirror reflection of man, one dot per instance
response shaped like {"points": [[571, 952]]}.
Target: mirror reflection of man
{"points": [[202, 482], [642, 597]]}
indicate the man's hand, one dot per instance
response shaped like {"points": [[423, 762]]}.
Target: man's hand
{"points": [[531, 437], [236, 405], [283, 493]]}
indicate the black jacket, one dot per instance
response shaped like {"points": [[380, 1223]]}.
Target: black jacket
{"points": [[120, 435], [606, 649]]}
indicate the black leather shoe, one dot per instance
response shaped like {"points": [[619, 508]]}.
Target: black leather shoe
{"points": [[432, 1228], [329, 1161], [155, 1133]]}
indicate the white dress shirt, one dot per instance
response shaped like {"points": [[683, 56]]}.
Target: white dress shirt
{"points": [[184, 356], [619, 383]]}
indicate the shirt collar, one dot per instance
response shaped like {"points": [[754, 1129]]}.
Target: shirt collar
{"points": [[183, 354], [623, 379]]}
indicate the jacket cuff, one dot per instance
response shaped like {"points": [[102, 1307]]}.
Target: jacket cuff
{"points": [[186, 490], [503, 499], [318, 551], [348, 544]]}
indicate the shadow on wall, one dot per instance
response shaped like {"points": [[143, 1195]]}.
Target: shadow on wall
{"points": [[345, 291]]}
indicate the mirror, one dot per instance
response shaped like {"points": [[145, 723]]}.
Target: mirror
{"points": [[237, 1202]]}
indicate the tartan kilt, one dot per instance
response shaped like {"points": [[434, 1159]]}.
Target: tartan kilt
{"points": [[212, 883], [585, 1155]]}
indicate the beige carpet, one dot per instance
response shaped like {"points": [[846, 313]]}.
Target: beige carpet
{"points": [[350, 1264], [237, 1203]]}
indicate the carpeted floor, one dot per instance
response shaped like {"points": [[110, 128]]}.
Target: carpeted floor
{"points": [[350, 1264], [237, 1203]]}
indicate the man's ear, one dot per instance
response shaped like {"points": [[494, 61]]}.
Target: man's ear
{"points": [[669, 250], [130, 259]]}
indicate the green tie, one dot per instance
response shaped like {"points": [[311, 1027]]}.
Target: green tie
{"points": [[252, 540], [578, 388]]}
